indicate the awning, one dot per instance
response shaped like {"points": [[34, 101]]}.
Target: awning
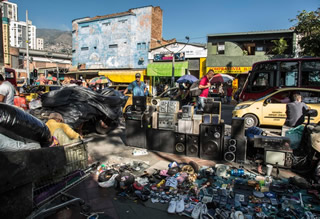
{"points": [[87, 72], [123, 76], [164, 69]]}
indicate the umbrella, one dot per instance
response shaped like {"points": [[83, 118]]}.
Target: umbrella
{"points": [[99, 80], [187, 78], [222, 78]]}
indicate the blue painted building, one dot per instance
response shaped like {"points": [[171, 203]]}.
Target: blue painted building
{"points": [[116, 41]]}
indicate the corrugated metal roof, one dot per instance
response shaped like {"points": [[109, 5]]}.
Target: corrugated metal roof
{"points": [[251, 33]]}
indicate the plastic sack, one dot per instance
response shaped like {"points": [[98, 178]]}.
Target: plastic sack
{"points": [[8, 145], [295, 135], [16, 123], [252, 131]]}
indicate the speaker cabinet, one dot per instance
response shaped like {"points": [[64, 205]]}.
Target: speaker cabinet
{"points": [[230, 148], [212, 107], [136, 133], [237, 127], [192, 143], [161, 140], [211, 140], [180, 144]]}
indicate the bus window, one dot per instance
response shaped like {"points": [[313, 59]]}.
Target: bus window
{"points": [[310, 73], [260, 81], [289, 74]]}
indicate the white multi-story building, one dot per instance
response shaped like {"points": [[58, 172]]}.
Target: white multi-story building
{"points": [[18, 34], [10, 10], [39, 43]]}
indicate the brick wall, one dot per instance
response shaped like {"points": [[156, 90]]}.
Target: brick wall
{"points": [[156, 27]]}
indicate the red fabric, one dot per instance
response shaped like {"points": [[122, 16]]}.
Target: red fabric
{"points": [[20, 102], [229, 92], [205, 92]]}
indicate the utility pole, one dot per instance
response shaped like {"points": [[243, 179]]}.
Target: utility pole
{"points": [[172, 76], [27, 48]]}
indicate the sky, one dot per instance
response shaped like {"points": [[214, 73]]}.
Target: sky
{"points": [[193, 18]]}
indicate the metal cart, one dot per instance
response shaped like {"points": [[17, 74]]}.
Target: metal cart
{"points": [[49, 194]]}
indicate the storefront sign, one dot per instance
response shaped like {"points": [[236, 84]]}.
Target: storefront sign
{"points": [[6, 43], [230, 70], [168, 57]]}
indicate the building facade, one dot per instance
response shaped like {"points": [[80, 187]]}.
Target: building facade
{"points": [[235, 53], [10, 10], [18, 34], [39, 43], [116, 41]]}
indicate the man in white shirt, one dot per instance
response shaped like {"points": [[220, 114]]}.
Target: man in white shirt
{"points": [[7, 91]]}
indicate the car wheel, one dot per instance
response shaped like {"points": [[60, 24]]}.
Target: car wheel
{"points": [[128, 109], [250, 120]]}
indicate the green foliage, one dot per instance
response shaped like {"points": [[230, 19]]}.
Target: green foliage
{"points": [[308, 26], [280, 46]]}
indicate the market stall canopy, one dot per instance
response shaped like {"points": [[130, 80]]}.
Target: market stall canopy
{"points": [[122, 76], [164, 69]]}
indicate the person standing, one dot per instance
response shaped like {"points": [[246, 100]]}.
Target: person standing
{"points": [[229, 94], [221, 92], [204, 85], [295, 112], [137, 87], [7, 91]]}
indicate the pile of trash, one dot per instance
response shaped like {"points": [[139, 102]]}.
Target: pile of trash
{"points": [[221, 191], [79, 105], [20, 130]]}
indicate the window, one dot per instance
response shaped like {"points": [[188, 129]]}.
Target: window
{"points": [[106, 24], [310, 73], [86, 26], [123, 21], [261, 81], [259, 48], [220, 48], [138, 46], [84, 48], [143, 46], [111, 46], [289, 74], [310, 97]]}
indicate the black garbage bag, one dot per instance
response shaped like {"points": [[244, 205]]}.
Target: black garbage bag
{"points": [[16, 123], [78, 105]]}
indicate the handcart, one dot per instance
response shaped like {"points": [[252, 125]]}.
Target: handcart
{"points": [[49, 194]]}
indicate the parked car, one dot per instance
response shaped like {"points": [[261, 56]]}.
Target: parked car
{"points": [[271, 109]]}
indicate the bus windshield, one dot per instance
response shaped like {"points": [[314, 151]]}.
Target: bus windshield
{"points": [[269, 75]]}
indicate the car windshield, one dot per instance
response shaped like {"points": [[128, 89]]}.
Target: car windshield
{"points": [[261, 98]]}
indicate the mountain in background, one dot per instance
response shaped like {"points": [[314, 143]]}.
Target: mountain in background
{"points": [[56, 40]]}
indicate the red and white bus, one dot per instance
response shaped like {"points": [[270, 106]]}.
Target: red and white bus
{"points": [[267, 76]]}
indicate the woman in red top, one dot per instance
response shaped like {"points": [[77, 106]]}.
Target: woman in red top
{"points": [[204, 85]]}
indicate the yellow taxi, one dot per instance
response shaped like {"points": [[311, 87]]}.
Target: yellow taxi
{"points": [[271, 109]]}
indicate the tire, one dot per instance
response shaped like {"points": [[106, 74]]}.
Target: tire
{"points": [[250, 120]]}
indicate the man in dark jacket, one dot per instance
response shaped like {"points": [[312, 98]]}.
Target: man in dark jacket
{"points": [[296, 112]]}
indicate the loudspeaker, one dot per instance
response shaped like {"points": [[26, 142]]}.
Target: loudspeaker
{"points": [[180, 144], [211, 141], [160, 140], [212, 107], [230, 148], [237, 127], [136, 133], [185, 126], [187, 112], [241, 152], [139, 103], [192, 143]]}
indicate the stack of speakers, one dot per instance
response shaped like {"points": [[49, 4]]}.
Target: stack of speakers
{"points": [[136, 126], [235, 146]]}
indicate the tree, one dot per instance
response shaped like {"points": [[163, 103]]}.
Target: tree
{"points": [[280, 46], [308, 26]]}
